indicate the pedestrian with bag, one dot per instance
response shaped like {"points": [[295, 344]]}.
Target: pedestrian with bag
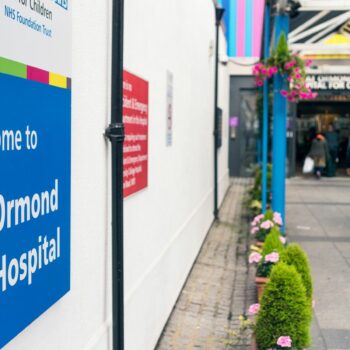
{"points": [[319, 152]]}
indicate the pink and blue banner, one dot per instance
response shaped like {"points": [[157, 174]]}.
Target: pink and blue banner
{"points": [[244, 27]]}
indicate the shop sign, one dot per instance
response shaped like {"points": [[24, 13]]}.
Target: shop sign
{"points": [[135, 118], [328, 82], [35, 153]]}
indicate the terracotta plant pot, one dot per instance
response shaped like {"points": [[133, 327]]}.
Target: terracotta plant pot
{"points": [[260, 286], [254, 345]]}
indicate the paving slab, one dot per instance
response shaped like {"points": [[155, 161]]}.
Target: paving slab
{"points": [[318, 218]]}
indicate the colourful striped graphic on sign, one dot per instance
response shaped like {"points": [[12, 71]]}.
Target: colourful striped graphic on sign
{"points": [[23, 71], [244, 27]]}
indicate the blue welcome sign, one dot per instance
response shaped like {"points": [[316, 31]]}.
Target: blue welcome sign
{"points": [[35, 158]]}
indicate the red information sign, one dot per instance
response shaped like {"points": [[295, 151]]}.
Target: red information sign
{"points": [[135, 117]]}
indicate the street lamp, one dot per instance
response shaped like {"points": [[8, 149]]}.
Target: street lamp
{"points": [[219, 12]]}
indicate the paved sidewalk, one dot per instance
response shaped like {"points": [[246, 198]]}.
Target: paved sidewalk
{"points": [[318, 217], [218, 288]]}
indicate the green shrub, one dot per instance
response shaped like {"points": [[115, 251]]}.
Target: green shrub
{"points": [[284, 310], [294, 255], [273, 242], [268, 215]]}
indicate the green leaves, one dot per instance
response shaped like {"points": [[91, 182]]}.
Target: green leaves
{"points": [[273, 242], [284, 309], [295, 256]]}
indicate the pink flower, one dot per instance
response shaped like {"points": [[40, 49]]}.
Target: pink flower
{"points": [[290, 78], [264, 71], [283, 239], [284, 342], [277, 218], [294, 93], [254, 230], [272, 71], [308, 62], [259, 83], [298, 76], [256, 68], [289, 65], [284, 93], [254, 309], [290, 98], [266, 225], [257, 219], [254, 258], [272, 257]]}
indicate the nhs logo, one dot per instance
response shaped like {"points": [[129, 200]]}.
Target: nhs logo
{"points": [[62, 3]]}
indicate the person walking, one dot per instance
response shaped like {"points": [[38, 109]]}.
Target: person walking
{"points": [[333, 146], [320, 154]]}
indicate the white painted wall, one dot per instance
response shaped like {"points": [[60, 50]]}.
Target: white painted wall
{"points": [[166, 223]]}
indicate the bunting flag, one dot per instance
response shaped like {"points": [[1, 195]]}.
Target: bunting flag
{"points": [[244, 27]]}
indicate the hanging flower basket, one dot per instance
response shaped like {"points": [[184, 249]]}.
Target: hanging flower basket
{"points": [[292, 69]]}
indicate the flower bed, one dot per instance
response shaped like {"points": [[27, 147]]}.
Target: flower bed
{"points": [[282, 317]]}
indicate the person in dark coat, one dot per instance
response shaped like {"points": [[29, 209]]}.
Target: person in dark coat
{"points": [[319, 153], [333, 147]]}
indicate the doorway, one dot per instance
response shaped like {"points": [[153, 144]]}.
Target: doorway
{"points": [[316, 117], [244, 127]]}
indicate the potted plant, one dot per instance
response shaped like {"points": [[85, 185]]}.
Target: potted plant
{"points": [[292, 69], [263, 272], [270, 252], [255, 192], [295, 256], [264, 266], [284, 311], [262, 225]]}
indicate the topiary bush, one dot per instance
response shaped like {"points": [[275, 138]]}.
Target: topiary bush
{"points": [[273, 242], [294, 255], [284, 310]]}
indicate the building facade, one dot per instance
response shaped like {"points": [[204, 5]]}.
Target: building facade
{"points": [[169, 48]]}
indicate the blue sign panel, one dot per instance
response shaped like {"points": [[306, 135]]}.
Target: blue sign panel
{"points": [[34, 200]]}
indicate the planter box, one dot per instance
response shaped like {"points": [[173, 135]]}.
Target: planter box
{"points": [[260, 286], [254, 346]]}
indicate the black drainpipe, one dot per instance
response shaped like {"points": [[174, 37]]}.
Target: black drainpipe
{"points": [[115, 133], [219, 12]]}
